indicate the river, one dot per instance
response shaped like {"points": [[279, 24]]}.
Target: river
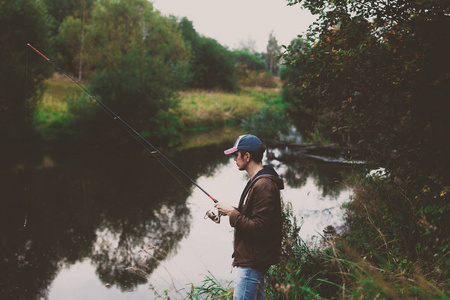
{"points": [[121, 223]]}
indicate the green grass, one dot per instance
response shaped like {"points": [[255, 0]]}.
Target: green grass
{"points": [[212, 136], [211, 289], [200, 109], [52, 115]]}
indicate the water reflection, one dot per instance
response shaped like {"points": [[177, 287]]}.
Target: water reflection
{"points": [[328, 177], [123, 211], [105, 206]]}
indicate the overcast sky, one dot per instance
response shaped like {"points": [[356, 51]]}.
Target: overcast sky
{"points": [[231, 22]]}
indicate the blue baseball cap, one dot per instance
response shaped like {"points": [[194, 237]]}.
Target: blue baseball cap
{"points": [[246, 142]]}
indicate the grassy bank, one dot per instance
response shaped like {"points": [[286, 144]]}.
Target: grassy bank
{"points": [[362, 263], [198, 110]]}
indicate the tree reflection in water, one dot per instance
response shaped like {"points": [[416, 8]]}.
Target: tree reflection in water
{"points": [[125, 253], [106, 206], [330, 178]]}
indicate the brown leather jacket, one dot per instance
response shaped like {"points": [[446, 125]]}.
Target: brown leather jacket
{"points": [[257, 222]]}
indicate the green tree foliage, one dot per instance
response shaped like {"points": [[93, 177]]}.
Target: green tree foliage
{"points": [[69, 44], [212, 64], [70, 39], [288, 74], [138, 60], [245, 60], [215, 65], [375, 75], [60, 9], [21, 70], [251, 69]]}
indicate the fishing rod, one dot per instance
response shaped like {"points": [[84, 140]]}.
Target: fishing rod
{"points": [[140, 138]]}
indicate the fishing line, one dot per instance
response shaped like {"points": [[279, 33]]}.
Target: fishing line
{"points": [[131, 130], [26, 141], [158, 159]]}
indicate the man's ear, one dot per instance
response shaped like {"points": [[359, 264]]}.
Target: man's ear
{"points": [[249, 156]]}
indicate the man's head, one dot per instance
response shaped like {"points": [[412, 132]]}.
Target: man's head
{"points": [[248, 144]]}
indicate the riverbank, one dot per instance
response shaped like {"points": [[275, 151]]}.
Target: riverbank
{"points": [[198, 110], [363, 260]]}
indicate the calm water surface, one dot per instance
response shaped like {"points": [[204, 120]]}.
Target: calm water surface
{"points": [[115, 224]]}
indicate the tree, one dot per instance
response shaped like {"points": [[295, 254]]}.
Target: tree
{"points": [[290, 73], [251, 69], [216, 65], [70, 44], [272, 54], [212, 64], [139, 61], [60, 9], [70, 39], [21, 22], [246, 60], [375, 76]]}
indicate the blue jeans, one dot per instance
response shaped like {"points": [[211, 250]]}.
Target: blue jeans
{"points": [[249, 284]]}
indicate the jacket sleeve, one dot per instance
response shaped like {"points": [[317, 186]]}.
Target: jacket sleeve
{"points": [[263, 198]]}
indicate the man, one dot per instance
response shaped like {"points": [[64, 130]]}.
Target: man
{"points": [[257, 220]]}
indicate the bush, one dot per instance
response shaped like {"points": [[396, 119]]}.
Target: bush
{"points": [[260, 79], [398, 217], [270, 124], [342, 268], [295, 277]]}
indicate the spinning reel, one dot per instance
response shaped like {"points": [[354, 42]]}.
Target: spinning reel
{"points": [[210, 214]]}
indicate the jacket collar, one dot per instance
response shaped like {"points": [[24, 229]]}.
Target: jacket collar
{"points": [[266, 172]]}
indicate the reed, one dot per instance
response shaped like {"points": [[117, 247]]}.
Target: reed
{"points": [[212, 289], [336, 269]]}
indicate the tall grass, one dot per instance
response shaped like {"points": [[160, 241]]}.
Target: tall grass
{"points": [[361, 263], [335, 269], [211, 289]]}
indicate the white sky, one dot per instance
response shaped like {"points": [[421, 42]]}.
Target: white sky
{"points": [[232, 22]]}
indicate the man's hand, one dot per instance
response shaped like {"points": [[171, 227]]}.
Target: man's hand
{"points": [[224, 209]]}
